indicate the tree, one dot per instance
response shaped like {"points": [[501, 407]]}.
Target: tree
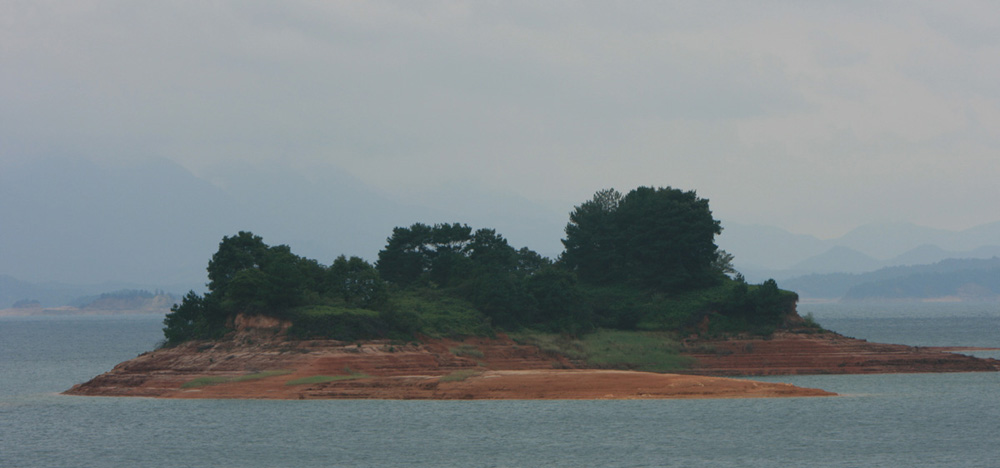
{"points": [[356, 282], [530, 262], [403, 261], [592, 239], [240, 252], [196, 317], [724, 263], [669, 238], [657, 238], [559, 301], [248, 276], [764, 304], [423, 252], [490, 251]]}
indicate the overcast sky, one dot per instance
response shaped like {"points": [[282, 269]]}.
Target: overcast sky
{"points": [[813, 116]]}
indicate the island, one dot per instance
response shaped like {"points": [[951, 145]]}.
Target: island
{"points": [[641, 304]]}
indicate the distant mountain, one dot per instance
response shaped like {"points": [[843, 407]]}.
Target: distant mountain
{"points": [[846, 260], [839, 259], [927, 254], [924, 255], [74, 221], [758, 247], [965, 285], [887, 240], [152, 222], [823, 286], [763, 252], [901, 281], [973, 238]]}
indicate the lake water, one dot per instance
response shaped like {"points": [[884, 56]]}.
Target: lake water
{"points": [[904, 420]]}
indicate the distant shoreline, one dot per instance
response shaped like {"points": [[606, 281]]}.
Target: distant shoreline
{"points": [[70, 311]]}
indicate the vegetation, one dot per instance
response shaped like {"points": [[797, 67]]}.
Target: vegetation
{"points": [[662, 239], [467, 350], [315, 379], [644, 263], [215, 380], [613, 349]]}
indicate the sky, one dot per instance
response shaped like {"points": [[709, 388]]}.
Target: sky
{"points": [[816, 117]]}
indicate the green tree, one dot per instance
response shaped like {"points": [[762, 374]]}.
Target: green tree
{"points": [[530, 262], [489, 251], [502, 297], [196, 317], [593, 241], [657, 238], [668, 238], [560, 302], [764, 304], [237, 253], [356, 282], [250, 277], [422, 252]]}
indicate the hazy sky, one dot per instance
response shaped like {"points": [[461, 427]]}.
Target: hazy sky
{"points": [[812, 116]]}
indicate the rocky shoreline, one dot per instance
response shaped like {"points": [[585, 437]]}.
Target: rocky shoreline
{"points": [[791, 353], [490, 369], [258, 363]]}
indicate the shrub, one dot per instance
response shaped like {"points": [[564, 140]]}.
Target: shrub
{"points": [[467, 351], [337, 323], [436, 313]]}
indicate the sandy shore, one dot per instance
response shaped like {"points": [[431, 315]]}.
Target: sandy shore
{"points": [[440, 369], [580, 384]]}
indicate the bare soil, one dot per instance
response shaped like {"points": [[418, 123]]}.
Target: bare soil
{"points": [[494, 368], [787, 353]]}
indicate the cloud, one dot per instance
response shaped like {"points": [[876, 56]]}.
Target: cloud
{"points": [[794, 114]]}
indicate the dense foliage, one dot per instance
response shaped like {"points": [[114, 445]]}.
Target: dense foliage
{"points": [[643, 261], [658, 238]]}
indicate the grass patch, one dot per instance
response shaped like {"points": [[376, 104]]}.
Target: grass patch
{"points": [[315, 379], [467, 350], [460, 375], [645, 351], [216, 380], [554, 343], [614, 349]]}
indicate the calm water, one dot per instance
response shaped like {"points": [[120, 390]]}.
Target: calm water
{"points": [[885, 420]]}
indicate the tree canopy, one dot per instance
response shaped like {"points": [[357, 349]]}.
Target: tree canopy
{"points": [[644, 260], [658, 238]]}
